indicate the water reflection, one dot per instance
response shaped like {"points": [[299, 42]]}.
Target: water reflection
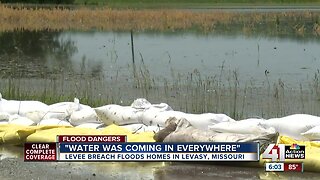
{"points": [[34, 54], [191, 72], [107, 55]]}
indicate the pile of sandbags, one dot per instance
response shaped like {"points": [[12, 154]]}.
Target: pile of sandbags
{"points": [[181, 130], [296, 126], [34, 121], [142, 111], [30, 113]]}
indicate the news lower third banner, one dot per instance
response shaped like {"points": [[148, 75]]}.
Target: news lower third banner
{"points": [[115, 148]]}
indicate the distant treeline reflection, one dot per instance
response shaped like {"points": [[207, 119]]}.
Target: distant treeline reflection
{"points": [[25, 53]]}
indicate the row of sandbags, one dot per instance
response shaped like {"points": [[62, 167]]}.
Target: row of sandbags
{"points": [[142, 116], [30, 113], [18, 134], [180, 130], [297, 126], [143, 112], [38, 113]]}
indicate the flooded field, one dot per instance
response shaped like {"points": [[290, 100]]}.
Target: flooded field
{"points": [[236, 74]]}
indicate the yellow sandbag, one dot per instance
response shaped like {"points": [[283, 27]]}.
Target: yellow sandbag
{"points": [[288, 140], [118, 130], [312, 153], [115, 130], [141, 137], [15, 134], [50, 135]]}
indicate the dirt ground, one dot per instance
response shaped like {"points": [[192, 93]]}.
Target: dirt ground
{"points": [[13, 167]]}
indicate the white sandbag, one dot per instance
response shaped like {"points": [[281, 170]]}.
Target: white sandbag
{"points": [[85, 115], [16, 119], [22, 107], [53, 122], [4, 116], [1, 102], [62, 110], [36, 116], [158, 116], [203, 121], [119, 115], [185, 132], [154, 117], [2, 122], [247, 126], [138, 128], [293, 125], [141, 103], [312, 134], [91, 125]]}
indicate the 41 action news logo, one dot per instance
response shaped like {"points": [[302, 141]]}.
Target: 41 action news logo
{"points": [[281, 152]]}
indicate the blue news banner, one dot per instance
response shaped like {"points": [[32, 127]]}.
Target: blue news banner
{"points": [[158, 152]]}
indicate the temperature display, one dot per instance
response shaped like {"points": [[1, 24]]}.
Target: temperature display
{"points": [[293, 167]]}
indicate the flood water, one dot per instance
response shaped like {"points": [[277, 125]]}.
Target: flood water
{"points": [[108, 54], [230, 73]]}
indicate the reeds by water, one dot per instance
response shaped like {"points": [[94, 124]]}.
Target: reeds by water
{"points": [[193, 93]]}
